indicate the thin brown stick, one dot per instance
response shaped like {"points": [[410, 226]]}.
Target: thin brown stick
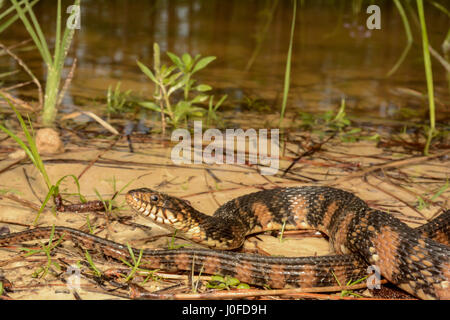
{"points": [[412, 193], [18, 85], [23, 202], [67, 82], [315, 147], [27, 70], [17, 101], [389, 165], [392, 195], [239, 294], [12, 164], [14, 46], [91, 163], [439, 58]]}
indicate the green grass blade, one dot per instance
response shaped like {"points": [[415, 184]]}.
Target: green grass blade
{"points": [[440, 7], [31, 149], [428, 74], [40, 34], [53, 191], [75, 179], [13, 19], [35, 35], [409, 38], [287, 74], [65, 44], [20, 142], [58, 33]]}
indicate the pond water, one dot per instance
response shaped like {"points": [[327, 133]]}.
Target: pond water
{"points": [[334, 54]]}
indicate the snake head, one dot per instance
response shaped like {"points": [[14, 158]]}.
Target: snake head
{"points": [[158, 206]]}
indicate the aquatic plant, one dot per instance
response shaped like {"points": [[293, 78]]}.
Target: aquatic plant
{"points": [[117, 101], [336, 124], [212, 109], [173, 78], [55, 62]]}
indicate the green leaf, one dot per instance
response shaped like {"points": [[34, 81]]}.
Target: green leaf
{"points": [[177, 86], [169, 81], [203, 87], [147, 72], [176, 60], [203, 63], [167, 71], [199, 98], [232, 282], [156, 57], [150, 105], [224, 97], [182, 106], [197, 56], [187, 60], [217, 278]]}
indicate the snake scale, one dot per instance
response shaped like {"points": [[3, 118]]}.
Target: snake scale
{"points": [[416, 260]]}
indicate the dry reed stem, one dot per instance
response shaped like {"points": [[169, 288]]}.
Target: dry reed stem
{"points": [[27, 70]]}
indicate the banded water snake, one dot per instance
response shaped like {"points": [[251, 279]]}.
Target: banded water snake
{"points": [[361, 236]]}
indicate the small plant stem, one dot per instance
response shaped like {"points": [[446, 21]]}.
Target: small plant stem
{"points": [[409, 37], [287, 75], [186, 87], [166, 100], [51, 94], [428, 74]]}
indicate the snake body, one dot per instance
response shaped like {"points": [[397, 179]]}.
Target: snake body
{"points": [[361, 236]]}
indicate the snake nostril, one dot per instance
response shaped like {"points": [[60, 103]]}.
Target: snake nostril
{"points": [[154, 197]]}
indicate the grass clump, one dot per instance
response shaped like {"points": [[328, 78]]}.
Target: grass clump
{"points": [[31, 151], [117, 101], [334, 123], [47, 249], [54, 62]]}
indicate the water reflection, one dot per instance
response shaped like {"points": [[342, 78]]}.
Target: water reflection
{"points": [[334, 54]]}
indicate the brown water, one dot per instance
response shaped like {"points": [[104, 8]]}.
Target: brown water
{"points": [[334, 54]]}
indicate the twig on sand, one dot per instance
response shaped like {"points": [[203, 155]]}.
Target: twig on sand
{"points": [[389, 165], [239, 294]]}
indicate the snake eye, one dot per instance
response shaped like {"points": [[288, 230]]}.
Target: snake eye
{"points": [[154, 197]]}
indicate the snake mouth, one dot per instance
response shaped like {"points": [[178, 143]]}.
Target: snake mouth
{"points": [[151, 204]]}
